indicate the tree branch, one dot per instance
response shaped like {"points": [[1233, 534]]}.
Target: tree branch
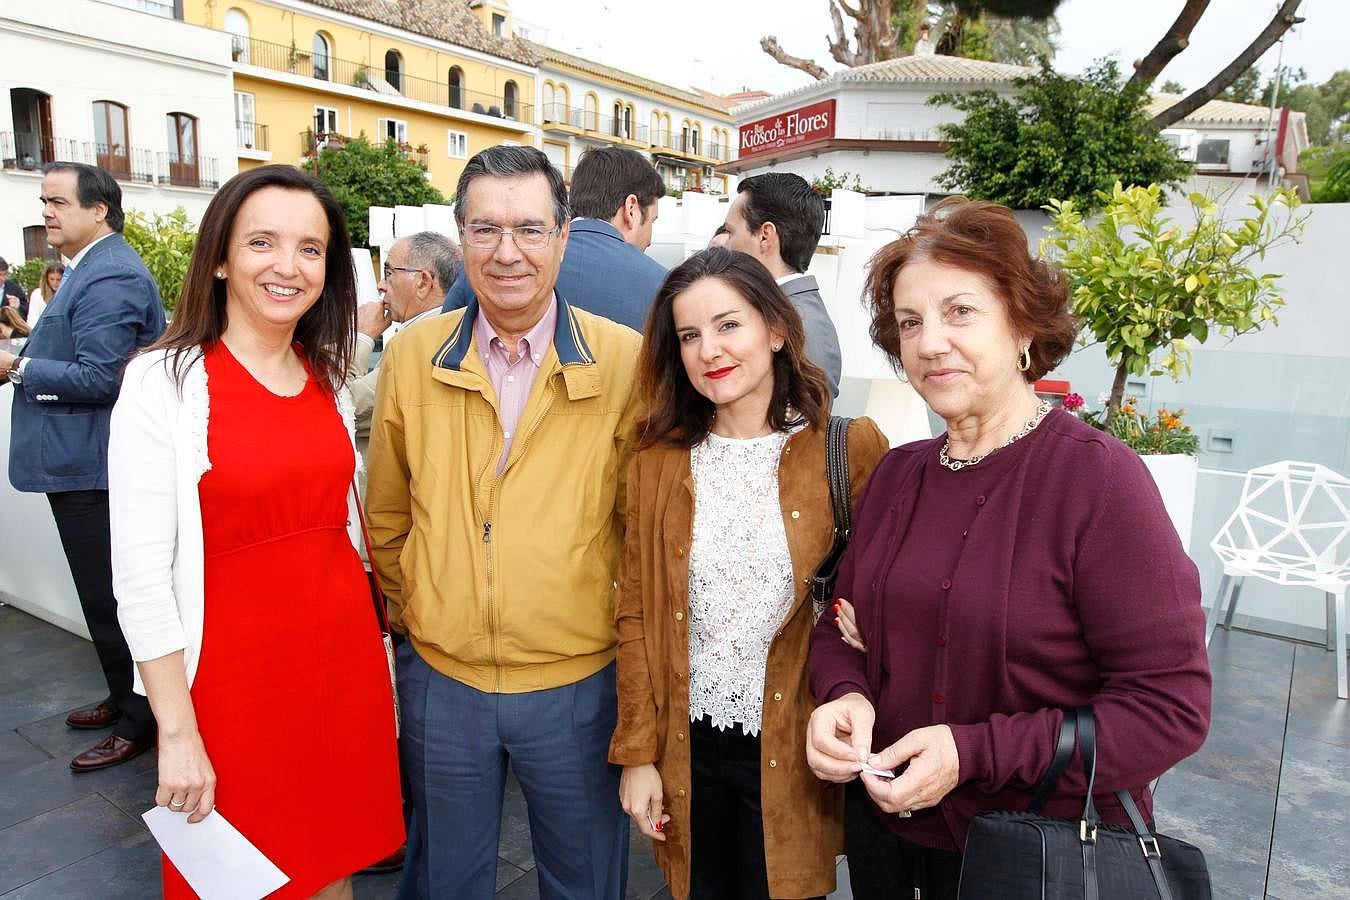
{"points": [[1173, 42], [770, 46], [1283, 21], [839, 48]]}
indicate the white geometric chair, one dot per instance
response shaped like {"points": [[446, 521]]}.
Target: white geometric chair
{"points": [[1291, 527]]}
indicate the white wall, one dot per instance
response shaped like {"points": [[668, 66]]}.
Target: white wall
{"points": [[81, 51]]}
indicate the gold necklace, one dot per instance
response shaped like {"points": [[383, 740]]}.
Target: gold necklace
{"points": [[957, 465]]}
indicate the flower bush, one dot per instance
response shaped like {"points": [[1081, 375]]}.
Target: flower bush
{"points": [[1158, 434]]}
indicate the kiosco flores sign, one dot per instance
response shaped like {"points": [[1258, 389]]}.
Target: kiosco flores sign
{"points": [[800, 126]]}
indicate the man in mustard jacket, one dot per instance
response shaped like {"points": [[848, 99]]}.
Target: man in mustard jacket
{"points": [[499, 447]]}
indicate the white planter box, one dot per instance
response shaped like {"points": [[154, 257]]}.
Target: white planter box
{"points": [[1176, 475]]}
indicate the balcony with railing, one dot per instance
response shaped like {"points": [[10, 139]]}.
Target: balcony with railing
{"points": [[188, 171], [27, 152], [251, 136], [311, 144], [387, 82]]}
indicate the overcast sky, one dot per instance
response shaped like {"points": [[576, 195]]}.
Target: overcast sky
{"points": [[714, 44]]}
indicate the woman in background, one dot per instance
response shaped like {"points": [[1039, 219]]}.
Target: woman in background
{"points": [[46, 290]]}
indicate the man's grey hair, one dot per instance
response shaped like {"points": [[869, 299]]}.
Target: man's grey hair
{"points": [[434, 253], [512, 162]]}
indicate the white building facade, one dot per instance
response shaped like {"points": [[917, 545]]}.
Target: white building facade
{"points": [[146, 97], [874, 122], [586, 104]]}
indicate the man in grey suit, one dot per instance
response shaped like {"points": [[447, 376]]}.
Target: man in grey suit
{"points": [[604, 271], [777, 218]]}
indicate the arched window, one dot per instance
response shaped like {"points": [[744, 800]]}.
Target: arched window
{"points": [[510, 102], [112, 143], [393, 69], [456, 87], [590, 121], [32, 114], [236, 24], [693, 134], [619, 110], [323, 51], [564, 99], [656, 127], [549, 97], [182, 143]]}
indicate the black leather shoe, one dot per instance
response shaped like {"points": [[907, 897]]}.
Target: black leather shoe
{"points": [[93, 717], [109, 752]]}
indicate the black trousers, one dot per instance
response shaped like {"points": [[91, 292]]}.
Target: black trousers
{"points": [[727, 824], [82, 521], [884, 866]]}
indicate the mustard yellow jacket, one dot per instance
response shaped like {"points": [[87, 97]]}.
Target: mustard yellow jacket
{"points": [[505, 582]]}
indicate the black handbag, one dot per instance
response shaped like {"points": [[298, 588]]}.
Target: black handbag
{"points": [[1028, 856], [836, 470]]}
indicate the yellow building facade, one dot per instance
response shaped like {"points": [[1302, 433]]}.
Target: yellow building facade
{"points": [[428, 74]]}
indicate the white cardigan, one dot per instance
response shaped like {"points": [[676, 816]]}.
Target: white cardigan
{"points": [[157, 454]]}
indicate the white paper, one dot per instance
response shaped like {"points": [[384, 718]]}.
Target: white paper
{"points": [[880, 773], [215, 859]]}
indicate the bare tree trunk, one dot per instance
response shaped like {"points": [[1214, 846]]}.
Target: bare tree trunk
{"points": [[1173, 42], [1283, 21], [770, 46], [1117, 391]]}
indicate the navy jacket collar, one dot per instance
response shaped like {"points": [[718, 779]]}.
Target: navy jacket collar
{"points": [[568, 340]]}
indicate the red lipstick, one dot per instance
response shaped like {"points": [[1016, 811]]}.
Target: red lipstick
{"points": [[720, 373]]}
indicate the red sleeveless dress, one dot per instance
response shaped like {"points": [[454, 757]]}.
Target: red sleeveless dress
{"points": [[292, 691]]}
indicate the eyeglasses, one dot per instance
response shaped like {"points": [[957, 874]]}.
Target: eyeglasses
{"points": [[390, 270], [527, 237]]}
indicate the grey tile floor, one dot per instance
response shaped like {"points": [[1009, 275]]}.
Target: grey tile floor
{"points": [[1267, 798]]}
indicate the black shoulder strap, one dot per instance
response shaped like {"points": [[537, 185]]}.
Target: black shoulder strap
{"points": [[836, 467], [1063, 753]]}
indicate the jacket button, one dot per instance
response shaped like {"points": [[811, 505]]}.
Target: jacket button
{"points": [[680, 792], [796, 514], [773, 764], [679, 617], [679, 736], [777, 695]]}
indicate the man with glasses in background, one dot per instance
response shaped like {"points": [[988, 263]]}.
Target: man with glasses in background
{"points": [[501, 438], [418, 271]]}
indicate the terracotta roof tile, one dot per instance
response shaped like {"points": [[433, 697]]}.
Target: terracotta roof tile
{"points": [[446, 20]]}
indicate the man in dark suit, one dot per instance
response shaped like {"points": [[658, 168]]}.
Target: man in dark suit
{"points": [[604, 271], [65, 382], [777, 218], [11, 292]]}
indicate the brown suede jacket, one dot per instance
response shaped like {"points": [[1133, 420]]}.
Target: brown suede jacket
{"points": [[803, 817]]}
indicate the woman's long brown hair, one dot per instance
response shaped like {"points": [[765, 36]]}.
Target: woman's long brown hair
{"points": [[324, 333], [676, 412]]}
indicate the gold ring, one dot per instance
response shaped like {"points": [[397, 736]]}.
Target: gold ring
{"points": [[178, 805]]}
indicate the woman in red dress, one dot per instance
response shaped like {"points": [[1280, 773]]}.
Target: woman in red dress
{"points": [[244, 602]]}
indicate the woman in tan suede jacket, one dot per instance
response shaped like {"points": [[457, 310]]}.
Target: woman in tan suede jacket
{"points": [[729, 514]]}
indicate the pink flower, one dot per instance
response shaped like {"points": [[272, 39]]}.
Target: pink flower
{"points": [[1073, 401]]}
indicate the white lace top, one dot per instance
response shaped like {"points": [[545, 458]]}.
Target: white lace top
{"points": [[740, 576]]}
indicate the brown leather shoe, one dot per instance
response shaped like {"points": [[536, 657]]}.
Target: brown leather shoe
{"points": [[109, 752], [93, 717], [391, 863]]}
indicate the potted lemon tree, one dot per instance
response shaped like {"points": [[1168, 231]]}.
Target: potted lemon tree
{"points": [[1149, 290]]}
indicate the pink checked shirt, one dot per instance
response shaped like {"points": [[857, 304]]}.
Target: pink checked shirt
{"points": [[512, 381]]}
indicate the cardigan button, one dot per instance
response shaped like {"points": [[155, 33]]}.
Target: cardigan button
{"points": [[679, 617], [979, 501], [796, 514], [680, 792], [773, 764], [938, 698], [777, 695], [946, 584], [942, 640], [679, 551], [679, 736]]}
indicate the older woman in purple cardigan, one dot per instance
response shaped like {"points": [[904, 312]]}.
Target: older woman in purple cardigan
{"points": [[1019, 565]]}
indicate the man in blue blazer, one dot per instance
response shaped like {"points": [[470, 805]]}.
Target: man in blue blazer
{"points": [[65, 382], [604, 271]]}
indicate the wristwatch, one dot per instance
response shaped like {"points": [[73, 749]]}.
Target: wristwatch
{"points": [[15, 372]]}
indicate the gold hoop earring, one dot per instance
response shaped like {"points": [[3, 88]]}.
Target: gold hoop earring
{"points": [[1024, 360]]}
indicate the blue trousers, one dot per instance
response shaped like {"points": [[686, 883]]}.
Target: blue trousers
{"points": [[456, 744]]}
